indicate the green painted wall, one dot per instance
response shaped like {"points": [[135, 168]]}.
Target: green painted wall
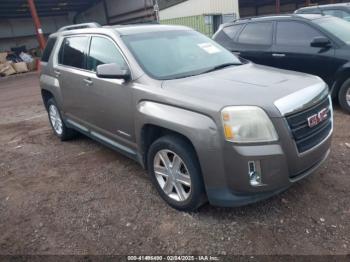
{"points": [[195, 22]]}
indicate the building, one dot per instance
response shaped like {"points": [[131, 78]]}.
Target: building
{"points": [[204, 16], [17, 27], [248, 8]]}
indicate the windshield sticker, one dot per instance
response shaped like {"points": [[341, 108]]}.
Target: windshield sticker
{"points": [[209, 48]]}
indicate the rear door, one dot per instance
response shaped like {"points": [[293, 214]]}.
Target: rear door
{"points": [[293, 51], [70, 73], [254, 42]]}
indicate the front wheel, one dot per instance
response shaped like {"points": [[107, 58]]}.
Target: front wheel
{"points": [[344, 96], [175, 172]]}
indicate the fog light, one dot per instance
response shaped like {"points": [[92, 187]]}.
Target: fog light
{"points": [[254, 172]]}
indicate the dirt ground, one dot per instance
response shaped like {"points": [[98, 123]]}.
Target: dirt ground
{"points": [[79, 197]]}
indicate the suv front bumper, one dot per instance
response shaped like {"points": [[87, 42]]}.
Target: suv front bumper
{"points": [[281, 165], [227, 197]]}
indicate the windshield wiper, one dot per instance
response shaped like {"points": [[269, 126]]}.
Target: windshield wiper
{"points": [[220, 67], [206, 71]]}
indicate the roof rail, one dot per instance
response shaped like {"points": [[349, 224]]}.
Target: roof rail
{"points": [[79, 26]]}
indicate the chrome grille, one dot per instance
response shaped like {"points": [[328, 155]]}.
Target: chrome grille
{"points": [[307, 137]]}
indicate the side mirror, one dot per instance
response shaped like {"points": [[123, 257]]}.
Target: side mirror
{"points": [[113, 71], [321, 42]]}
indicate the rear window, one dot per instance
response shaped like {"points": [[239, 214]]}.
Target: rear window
{"points": [[48, 49], [338, 13], [231, 31], [256, 34], [73, 52]]}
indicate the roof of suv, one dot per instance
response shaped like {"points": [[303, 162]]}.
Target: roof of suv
{"points": [[325, 6], [121, 29], [145, 28], [277, 17]]}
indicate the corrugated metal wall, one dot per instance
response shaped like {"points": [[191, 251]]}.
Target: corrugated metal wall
{"points": [[200, 7], [21, 31], [197, 22], [94, 14], [119, 12]]}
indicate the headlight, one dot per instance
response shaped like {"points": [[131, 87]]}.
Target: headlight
{"points": [[247, 124]]}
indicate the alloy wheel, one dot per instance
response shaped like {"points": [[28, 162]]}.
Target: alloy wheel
{"points": [[55, 119], [347, 96], [172, 175]]}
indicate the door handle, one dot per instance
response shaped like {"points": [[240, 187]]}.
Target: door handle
{"points": [[88, 82], [236, 52], [57, 73], [278, 55]]}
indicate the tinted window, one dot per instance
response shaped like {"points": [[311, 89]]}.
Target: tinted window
{"points": [[337, 13], [73, 51], [336, 26], [257, 33], [103, 51], [231, 31], [294, 33], [48, 49]]}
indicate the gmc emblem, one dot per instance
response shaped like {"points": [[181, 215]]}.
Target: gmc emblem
{"points": [[315, 119]]}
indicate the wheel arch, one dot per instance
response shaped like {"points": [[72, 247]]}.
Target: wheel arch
{"points": [[46, 96], [150, 133], [342, 75], [155, 119]]}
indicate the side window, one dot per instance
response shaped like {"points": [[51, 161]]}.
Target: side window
{"points": [[73, 51], [48, 49], [294, 33], [231, 31], [103, 51], [302, 34], [257, 34]]}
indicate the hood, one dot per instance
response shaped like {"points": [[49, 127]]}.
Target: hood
{"points": [[249, 84]]}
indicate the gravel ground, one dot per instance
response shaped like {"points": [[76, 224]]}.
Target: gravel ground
{"points": [[79, 197]]}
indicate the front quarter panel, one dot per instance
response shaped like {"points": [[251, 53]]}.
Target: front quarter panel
{"points": [[341, 76], [200, 129]]}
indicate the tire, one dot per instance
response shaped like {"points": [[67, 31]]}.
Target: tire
{"points": [[344, 96], [58, 126], [183, 189]]}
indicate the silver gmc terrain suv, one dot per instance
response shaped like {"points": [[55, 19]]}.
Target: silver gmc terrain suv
{"points": [[207, 125]]}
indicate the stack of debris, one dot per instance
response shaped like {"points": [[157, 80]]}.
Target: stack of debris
{"points": [[17, 61]]}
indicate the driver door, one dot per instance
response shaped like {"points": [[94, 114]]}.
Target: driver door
{"points": [[110, 105], [293, 51]]}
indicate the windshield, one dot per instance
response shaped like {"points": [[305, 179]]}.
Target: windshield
{"points": [[177, 54], [336, 26]]}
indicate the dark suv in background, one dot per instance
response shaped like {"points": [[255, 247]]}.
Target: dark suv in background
{"points": [[338, 10], [314, 44]]}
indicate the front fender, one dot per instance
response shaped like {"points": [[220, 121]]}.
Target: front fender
{"points": [[200, 129]]}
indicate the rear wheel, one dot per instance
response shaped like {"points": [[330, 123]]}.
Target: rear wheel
{"points": [[175, 172], [344, 96], [58, 126]]}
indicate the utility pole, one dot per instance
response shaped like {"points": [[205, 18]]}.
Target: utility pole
{"points": [[37, 24], [278, 6]]}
